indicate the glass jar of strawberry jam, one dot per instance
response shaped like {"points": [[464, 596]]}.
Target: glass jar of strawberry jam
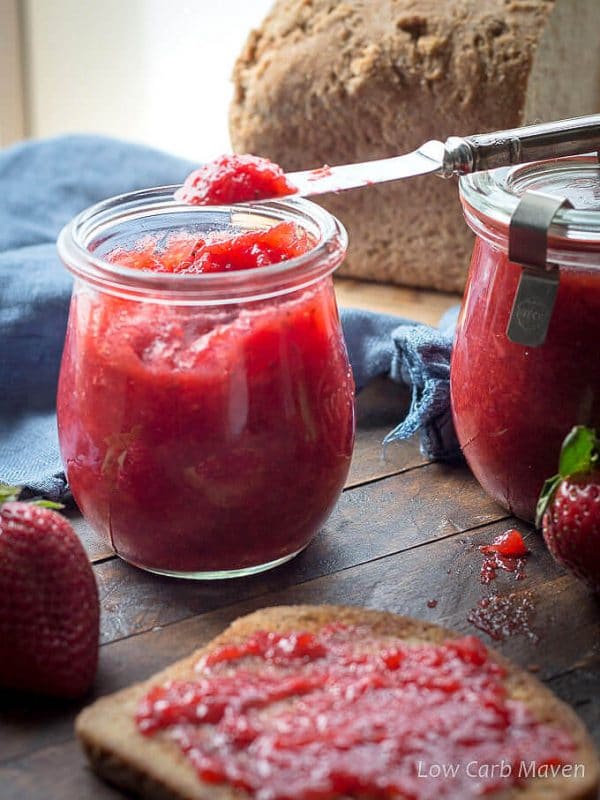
{"points": [[513, 398], [205, 409]]}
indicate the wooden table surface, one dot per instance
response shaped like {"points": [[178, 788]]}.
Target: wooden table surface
{"points": [[403, 538]]}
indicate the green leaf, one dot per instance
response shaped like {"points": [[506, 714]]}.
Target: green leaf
{"points": [[8, 493], [47, 504], [579, 451], [546, 495]]}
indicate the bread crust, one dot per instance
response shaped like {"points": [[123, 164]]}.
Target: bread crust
{"points": [[335, 83], [155, 767]]}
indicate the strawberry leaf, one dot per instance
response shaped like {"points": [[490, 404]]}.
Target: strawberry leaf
{"points": [[47, 504], [8, 493], [546, 495], [578, 452]]}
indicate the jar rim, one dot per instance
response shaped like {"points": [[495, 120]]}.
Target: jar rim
{"points": [[490, 198], [254, 283]]}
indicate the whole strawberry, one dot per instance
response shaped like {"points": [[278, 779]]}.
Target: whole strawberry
{"points": [[569, 507], [49, 612]]}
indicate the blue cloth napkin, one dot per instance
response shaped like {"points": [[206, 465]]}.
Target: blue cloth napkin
{"points": [[43, 184]]}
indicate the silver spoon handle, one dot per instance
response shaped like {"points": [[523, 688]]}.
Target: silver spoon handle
{"points": [[567, 137]]}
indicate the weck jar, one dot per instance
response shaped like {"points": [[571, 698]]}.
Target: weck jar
{"points": [[206, 421], [513, 402]]}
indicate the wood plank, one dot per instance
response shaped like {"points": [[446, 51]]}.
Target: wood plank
{"points": [[447, 570], [369, 522], [95, 545], [379, 408], [581, 689], [372, 461], [56, 773], [417, 304]]}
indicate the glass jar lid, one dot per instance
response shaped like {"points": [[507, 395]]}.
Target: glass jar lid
{"points": [[490, 198]]}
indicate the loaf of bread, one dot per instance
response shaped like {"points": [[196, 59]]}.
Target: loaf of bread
{"points": [[333, 83], [154, 767]]}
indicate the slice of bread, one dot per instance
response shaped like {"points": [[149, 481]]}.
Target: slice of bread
{"points": [[154, 767], [334, 83]]}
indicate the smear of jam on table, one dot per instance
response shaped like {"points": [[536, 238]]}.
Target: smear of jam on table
{"points": [[507, 552], [234, 179], [504, 616], [299, 715]]}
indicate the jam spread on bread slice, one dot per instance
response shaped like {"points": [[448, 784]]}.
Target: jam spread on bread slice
{"points": [[342, 712]]}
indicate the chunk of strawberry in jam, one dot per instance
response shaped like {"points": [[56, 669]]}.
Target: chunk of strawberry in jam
{"points": [[175, 255], [217, 252], [509, 544], [234, 179], [251, 249]]}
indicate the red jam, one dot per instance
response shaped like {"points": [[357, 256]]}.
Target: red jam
{"points": [[507, 552], [495, 562], [203, 438], [303, 717], [513, 405], [509, 544], [218, 252], [320, 172], [235, 179], [504, 617]]}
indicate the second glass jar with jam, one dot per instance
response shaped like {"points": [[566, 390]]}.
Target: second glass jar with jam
{"points": [[513, 404]]}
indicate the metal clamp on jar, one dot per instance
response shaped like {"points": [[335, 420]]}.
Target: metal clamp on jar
{"points": [[538, 285]]}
